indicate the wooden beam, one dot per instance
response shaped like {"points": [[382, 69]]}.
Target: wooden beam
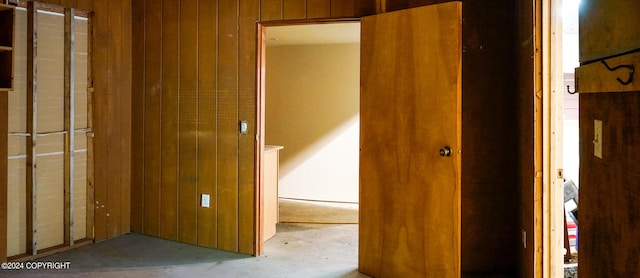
{"points": [[69, 123], [4, 129], [32, 104], [90, 168]]}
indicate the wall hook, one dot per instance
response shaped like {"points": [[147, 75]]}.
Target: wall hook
{"points": [[570, 92], [631, 69]]}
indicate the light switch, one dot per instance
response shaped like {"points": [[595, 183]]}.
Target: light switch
{"points": [[244, 127], [597, 138], [206, 201]]}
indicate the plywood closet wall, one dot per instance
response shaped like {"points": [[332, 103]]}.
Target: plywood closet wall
{"points": [[194, 79]]}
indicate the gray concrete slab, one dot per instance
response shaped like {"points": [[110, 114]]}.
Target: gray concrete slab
{"points": [[298, 250]]}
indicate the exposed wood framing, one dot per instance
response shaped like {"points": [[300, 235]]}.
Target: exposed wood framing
{"points": [[552, 199], [69, 123], [90, 166], [32, 104]]}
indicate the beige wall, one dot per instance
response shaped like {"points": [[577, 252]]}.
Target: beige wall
{"points": [[312, 109]]}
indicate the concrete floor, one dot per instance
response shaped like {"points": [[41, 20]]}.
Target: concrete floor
{"points": [[298, 250]]}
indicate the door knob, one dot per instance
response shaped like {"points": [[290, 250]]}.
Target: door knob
{"points": [[446, 151]]}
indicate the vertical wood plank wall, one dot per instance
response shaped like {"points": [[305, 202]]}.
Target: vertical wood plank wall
{"points": [[609, 185], [526, 101], [194, 79]]}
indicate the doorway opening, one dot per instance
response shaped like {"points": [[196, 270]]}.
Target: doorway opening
{"points": [[563, 134], [309, 123]]}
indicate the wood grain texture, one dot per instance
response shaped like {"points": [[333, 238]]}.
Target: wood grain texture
{"points": [[90, 136], [525, 118], [409, 195], [217, 67], [609, 187], [188, 200], [4, 129], [343, 8], [615, 24], [228, 216], [207, 123], [100, 124], [294, 9], [69, 123], [32, 47], [115, 105], [87, 5], [270, 10], [170, 119], [124, 104], [54, 2], [137, 117], [112, 114], [152, 118], [597, 78], [248, 236], [318, 8], [68, 3]]}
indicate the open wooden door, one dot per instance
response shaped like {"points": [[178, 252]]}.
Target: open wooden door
{"points": [[410, 138]]}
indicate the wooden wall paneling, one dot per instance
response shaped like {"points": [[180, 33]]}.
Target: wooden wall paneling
{"points": [[54, 2], [343, 8], [115, 107], [152, 117], [260, 139], [616, 22], [68, 3], [125, 71], [137, 117], [188, 177], [249, 13], [90, 135], [228, 124], [169, 121], [31, 191], [366, 7], [101, 91], [609, 186], [597, 78], [294, 9], [4, 129], [69, 124], [269, 10], [87, 5], [526, 97], [207, 122], [318, 8]]}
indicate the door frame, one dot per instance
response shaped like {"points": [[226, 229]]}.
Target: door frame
{"points": [[260, 116], [550, 131]]}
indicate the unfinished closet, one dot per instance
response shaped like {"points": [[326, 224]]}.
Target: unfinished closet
{"points": [[49, 190]]}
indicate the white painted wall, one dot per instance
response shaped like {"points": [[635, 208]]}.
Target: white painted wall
{"points": [[312, 109]]}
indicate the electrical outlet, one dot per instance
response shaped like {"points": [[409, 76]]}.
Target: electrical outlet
{"points": [[205, 201]]}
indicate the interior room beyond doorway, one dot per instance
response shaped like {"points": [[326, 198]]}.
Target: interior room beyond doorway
{"points": [[312, 109], [312, 91]]}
